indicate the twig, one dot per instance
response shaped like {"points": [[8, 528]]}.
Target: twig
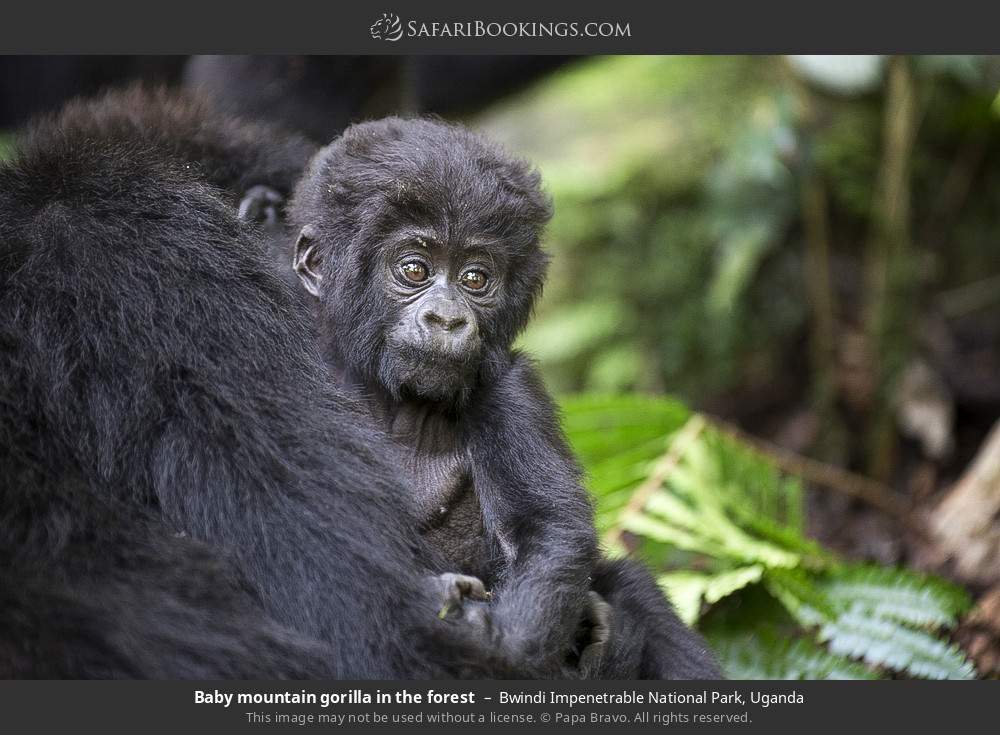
{"points": [[816, 225], [823, 309], [820, 473], [813, 471], [891, 277], [970, 297], [684, 439], [955, 190]]}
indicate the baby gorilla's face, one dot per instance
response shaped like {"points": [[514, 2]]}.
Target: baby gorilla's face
{"points": [[442, 293], [421, 242]]}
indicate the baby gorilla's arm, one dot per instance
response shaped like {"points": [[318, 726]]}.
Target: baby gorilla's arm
{"points": [[534, 504]]}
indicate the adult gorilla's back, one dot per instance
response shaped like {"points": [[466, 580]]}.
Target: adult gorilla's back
{"points": [[182, 494]]}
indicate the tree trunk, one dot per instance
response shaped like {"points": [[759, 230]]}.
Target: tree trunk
{"points": [[966, 524]]}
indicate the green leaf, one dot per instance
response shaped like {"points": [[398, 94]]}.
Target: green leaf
{"points": [[765, 654], [717, 530], [882, 642], [720, 505], [610, 434], [802, 597], [897, 594], [686, 590], [644, 525]]}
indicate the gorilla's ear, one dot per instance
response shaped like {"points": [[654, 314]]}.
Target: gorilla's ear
{"points": [[306, 260]]}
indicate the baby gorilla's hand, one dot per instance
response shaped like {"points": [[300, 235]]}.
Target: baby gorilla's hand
{"points": [[457, 591]]}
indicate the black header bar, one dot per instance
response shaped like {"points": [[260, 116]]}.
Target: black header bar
{"points": [[510, 27]]}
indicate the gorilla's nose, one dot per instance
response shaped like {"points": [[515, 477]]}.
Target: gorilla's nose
{"points": [[438, 319]]}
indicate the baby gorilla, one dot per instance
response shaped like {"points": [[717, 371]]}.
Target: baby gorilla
{"points": [[420, 242]]}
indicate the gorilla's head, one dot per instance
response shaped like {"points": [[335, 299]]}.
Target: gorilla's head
{"points": [[421, 241]]}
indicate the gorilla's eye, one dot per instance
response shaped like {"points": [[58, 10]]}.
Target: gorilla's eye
{"points": [[414, 271], [474, 280]]}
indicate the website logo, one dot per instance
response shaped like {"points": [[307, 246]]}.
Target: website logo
{"points": [[387, 28], [390, 28]]}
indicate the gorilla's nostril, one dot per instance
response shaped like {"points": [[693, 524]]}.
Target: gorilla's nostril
{"points": [[446, 323]]}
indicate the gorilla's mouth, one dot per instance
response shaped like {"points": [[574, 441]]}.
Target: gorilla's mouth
{"points": [[428, 374]]}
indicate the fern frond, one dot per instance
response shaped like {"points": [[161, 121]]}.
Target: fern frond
{"points": [[687, 590], [882, 642], [687, 489], [897, 594], [763, 654]]}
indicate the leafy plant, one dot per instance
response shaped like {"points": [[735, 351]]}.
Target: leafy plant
{"points": [[692, 495]]}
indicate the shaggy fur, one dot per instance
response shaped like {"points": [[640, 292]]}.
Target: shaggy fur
{"points": [[183, 490], [492, 480]]}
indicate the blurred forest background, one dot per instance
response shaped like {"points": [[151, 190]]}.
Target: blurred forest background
{"points": [[806, 250], [772, 318]]}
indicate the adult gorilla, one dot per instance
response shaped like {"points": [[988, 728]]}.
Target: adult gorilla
{"points": [[183, 492]]}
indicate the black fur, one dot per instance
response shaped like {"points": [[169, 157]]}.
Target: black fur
{"points": [[183, 492], [231, 153], [482, 446], [319, 96], [647, 640], [315, 95]]}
